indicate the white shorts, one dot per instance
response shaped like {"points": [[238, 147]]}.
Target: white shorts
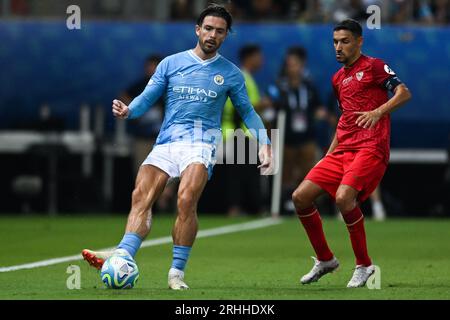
{"points": [[174, 157]]}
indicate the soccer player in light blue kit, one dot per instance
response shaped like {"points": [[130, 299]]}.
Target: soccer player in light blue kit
{"points": [[196, 83]]}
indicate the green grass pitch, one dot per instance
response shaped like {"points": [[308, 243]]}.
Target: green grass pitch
{"points": [[258, 264]]}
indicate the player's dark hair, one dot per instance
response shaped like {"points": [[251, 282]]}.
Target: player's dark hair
{"points": [[299, 52], [351, 25], [296, 51], [216, 10], [153, 58], [248, 50]]}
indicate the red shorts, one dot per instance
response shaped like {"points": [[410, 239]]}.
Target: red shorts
{"points": [[360, 169]]}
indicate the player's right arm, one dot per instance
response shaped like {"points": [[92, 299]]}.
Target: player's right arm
{"points": [[387, 79], [152, 92], [239, 98], [369, 119]]}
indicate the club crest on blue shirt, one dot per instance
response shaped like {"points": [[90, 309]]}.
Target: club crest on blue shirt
{"points": [[219, 80]]}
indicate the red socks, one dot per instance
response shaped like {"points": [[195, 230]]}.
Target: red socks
{"points": [[310, 218], [355, 225]]}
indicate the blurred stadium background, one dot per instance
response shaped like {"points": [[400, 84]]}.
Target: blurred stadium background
{"points": [[62, 151]]}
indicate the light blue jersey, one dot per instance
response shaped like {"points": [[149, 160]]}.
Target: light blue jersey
{"points": [[195, 94]]}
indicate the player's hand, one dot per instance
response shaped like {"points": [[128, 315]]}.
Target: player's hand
{"points": [[368, 119], [120, 109], [265, 157]]}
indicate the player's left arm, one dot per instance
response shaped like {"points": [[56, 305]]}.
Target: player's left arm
{"points": [[369, 119], [239, 98], [388, 79]]}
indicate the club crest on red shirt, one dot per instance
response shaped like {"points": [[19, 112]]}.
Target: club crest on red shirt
{"points": [[359, 75]]}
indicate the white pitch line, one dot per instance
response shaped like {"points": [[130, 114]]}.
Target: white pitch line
{"points": [[262, 223]]}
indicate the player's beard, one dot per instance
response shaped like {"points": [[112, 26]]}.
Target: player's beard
{"points": [[341, 58], [209, 48], [348, 57]]}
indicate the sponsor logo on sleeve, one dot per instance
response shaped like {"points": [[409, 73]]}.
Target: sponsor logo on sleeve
{"points": [[388, 70]]}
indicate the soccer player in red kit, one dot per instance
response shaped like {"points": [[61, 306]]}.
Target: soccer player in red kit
{"points": [[358, 155]]}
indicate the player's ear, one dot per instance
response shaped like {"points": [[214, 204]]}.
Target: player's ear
{"points": [[360, 41], [197, 30]]}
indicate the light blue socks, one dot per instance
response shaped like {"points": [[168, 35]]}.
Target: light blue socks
{"points": [[180, 257], [131, 242]]}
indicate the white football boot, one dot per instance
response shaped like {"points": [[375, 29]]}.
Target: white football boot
{"points": [[176, 280], [319, 269], [360, 276]]}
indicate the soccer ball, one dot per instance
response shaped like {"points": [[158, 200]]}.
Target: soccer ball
{"points": [[119, 272]]}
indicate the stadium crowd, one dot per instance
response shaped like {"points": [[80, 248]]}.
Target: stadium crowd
{"points": [[424, 12]]}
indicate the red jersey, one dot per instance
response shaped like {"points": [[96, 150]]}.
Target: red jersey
{"points": [[361, 87]]}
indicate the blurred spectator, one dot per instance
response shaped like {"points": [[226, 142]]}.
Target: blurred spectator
{"points": [[400, 11], [314, 13], [262, 10], [20, 7], [294, 9], [146, 128], [110, 7], [422, 12], [299, 98], [182, 10], [348, 9], [233, 7], [441, 11], [243, 187], [427, 12]]}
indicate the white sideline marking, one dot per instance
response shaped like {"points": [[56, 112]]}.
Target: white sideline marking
{"points": [[262, 223]]}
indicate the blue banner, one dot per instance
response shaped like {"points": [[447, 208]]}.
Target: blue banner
{"points": [[44, 62]]}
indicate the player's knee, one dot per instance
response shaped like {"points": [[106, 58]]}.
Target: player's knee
{"points": [[300, 199], [345, 202], [296, 197], [186, 201]]}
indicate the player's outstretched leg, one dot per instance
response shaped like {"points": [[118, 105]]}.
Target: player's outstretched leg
{"points": [[97, 258], [192, 183], [309, 216], [346, 201], [150, 182]]}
